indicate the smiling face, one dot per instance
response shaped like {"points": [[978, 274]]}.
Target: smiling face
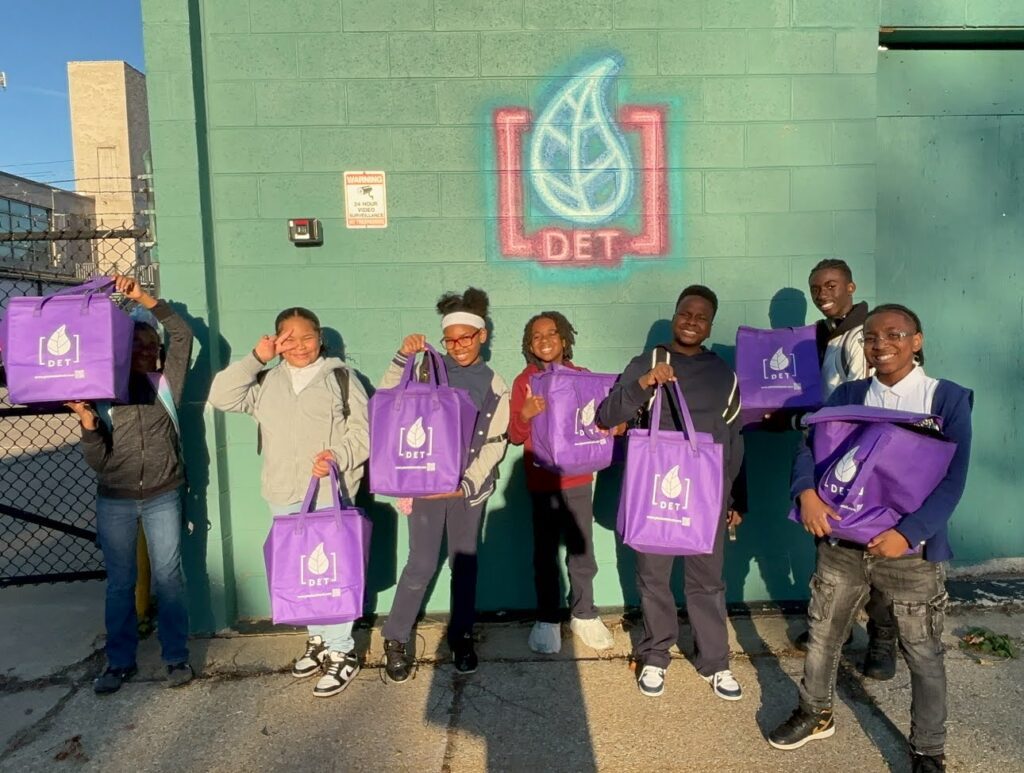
{"points": [[691, 324], [832, 292], [463, 343], [890, 344], [545, 342], [304, 334]]}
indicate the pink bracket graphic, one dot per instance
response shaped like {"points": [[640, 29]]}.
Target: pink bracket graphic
{"points": [[582, 246]]}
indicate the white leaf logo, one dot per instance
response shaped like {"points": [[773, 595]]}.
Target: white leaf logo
{"points": [[587, 414], [580, 164], [671, 486], [779, 361], [846, 467], [318, 563], [59, 343], [416, 437]]}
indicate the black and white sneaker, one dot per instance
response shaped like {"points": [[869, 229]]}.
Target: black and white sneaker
{"points": [[396, 661], [464, 654], [311, 661], [801, 727], [651, 681], [340, 668]]}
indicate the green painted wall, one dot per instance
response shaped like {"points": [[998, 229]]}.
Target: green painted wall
{"points": [[258, 106]]}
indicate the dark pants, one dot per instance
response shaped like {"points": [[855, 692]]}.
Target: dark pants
{"points": [[568, 513], [429, 521], [705, 606], [916, 588], [881, 623]]}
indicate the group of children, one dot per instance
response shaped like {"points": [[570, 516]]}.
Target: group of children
{"points": [[312, 411]]}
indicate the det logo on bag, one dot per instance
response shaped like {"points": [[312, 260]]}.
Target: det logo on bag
{"points": [[312, 569], [61, 350], [838, 477], [670, 493], [781, 366], [411, 441]]}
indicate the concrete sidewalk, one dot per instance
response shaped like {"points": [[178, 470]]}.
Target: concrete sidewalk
{"points": [[578, 711]]}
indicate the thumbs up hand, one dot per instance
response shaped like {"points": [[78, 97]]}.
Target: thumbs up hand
{"points": [[533, 405]]}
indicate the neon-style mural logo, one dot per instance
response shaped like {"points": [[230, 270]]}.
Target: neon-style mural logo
{"points": [[582, 172]]}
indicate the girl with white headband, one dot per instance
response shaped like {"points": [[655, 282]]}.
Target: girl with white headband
{"points": [[458, 513]]}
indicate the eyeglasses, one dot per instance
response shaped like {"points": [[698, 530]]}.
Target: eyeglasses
{"points": [[461, 342], [893, 337]]}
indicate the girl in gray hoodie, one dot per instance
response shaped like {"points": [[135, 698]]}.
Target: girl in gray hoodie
{"points": [[311, 409]]}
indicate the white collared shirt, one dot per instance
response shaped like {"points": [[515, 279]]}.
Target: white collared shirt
{"points": [[303, 377], [914, 393]]}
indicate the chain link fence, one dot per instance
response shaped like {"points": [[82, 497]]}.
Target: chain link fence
{"points": [[47, 492]]}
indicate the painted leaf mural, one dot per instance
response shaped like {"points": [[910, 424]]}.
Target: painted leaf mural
{"points": [[416, 436], [671, 486], [59, 343], [580, 165], [318, 563], [587, 414], [846, 467], [779, 361]]}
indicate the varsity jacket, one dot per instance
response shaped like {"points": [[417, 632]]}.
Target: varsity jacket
{"points": [[490, 396], [296, 427], [709, 387], [137, 458], [929, 525]]}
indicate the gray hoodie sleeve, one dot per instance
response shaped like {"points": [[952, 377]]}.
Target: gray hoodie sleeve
{"points": [[234, 389], [493, 451]]}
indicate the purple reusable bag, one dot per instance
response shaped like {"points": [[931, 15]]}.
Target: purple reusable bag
{"points": [[565, 438], [672, 492], [316, 561], [72, 345], [420, 433], [874, 465], [777, 369]]}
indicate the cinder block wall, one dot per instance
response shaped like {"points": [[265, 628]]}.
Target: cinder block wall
{"points": [[258, 106]]}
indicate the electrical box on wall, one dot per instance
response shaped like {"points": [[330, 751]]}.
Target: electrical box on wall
{"points": [[305, 232]]}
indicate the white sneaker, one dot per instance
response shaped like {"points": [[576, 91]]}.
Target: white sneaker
{"points": [[651, 681], [593, 633], [725, 685], [310, 662], [546, 638], [340, 668]]}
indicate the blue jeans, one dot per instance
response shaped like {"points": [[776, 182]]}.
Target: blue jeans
{"points": [[117, 524], [842, 579], [337, 637]]}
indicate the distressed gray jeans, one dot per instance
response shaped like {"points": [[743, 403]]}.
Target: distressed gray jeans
{"points": [[842, 580]]}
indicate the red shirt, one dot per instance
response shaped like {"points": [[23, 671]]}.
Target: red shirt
{"points": [[537, 478]]}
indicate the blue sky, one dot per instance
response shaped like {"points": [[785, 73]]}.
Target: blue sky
{"points": [[37, 40]]}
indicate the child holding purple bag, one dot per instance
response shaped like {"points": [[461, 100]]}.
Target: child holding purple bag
{"points": [[904, 562], [457, 514], [561, 503], [311, 410]]}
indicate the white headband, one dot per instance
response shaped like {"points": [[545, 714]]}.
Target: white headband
{"points": [[462, 318]]}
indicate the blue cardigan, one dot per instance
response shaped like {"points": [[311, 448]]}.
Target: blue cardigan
{"points": [[929, 524]]}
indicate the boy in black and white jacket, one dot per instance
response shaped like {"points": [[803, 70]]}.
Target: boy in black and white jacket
{"points": [[709, 387]]}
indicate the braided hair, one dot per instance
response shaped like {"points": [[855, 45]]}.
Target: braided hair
{"points": [[565, 331]]}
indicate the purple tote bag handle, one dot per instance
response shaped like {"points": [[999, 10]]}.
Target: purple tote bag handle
{"points": [[307, 503], [87, 289], [430, 354], [691, 432]]}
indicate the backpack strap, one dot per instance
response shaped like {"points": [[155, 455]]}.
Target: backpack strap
{"points": [[341, 375]]}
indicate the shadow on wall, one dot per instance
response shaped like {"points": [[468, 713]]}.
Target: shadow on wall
{"points": [[195, 543]]}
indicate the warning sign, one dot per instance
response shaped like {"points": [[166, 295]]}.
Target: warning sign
{"points": [[366, 200]]}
